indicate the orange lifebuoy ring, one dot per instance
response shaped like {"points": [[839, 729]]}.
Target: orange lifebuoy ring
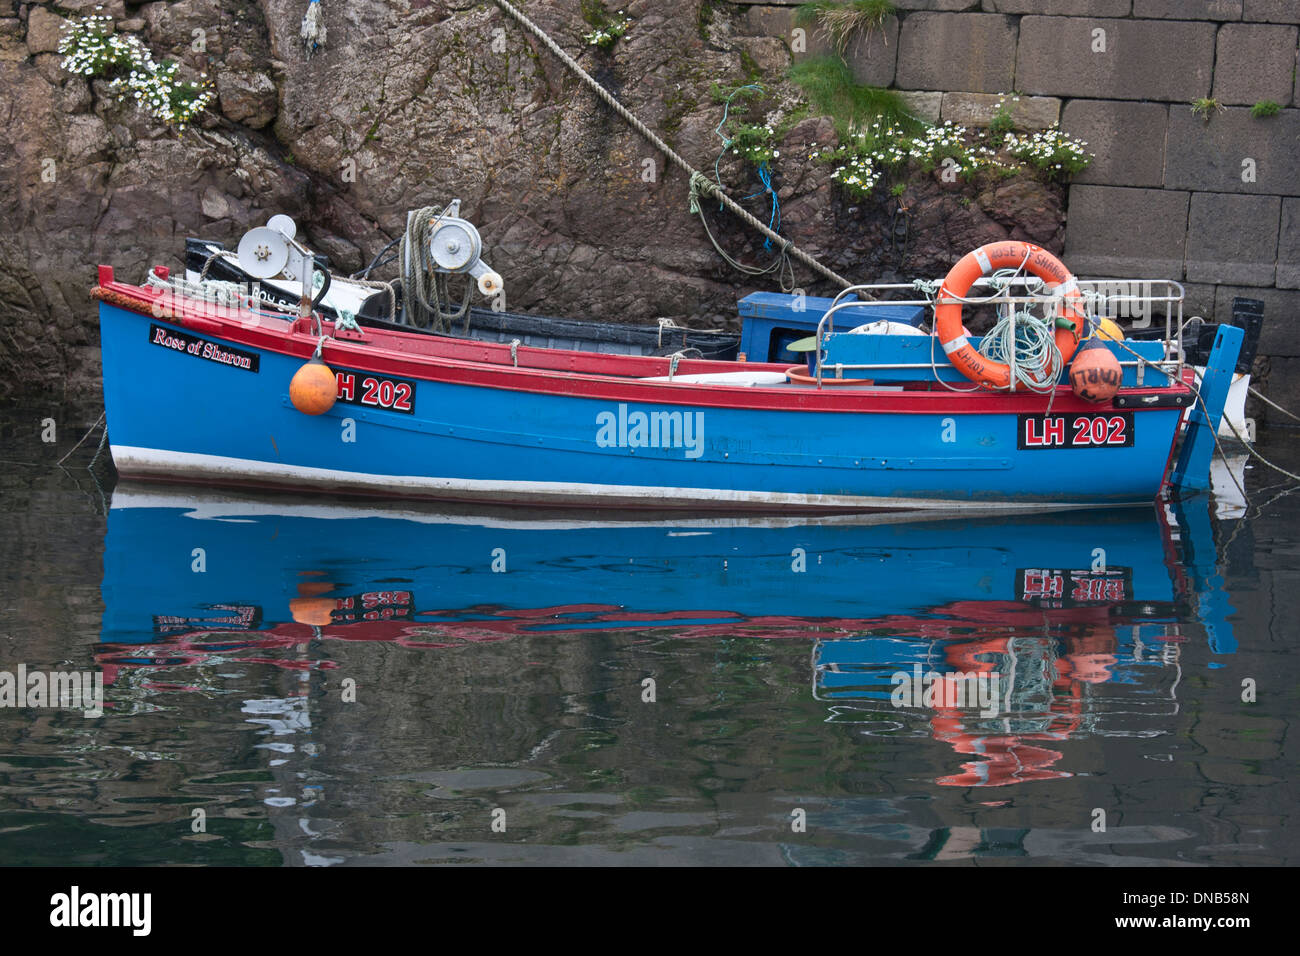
{"points": [[1011, 254]]}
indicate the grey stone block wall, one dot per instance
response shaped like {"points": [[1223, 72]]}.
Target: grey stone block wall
{"points": [[1288, 246], [1254, 62], [1233, 238], [1115, 59], [978, 109], [970, 52], [1062, 8], [874, 55], [1233, 152], [1188, 9], [1211, 199], [1272, 11], [1127, 139], [1115, 231]]}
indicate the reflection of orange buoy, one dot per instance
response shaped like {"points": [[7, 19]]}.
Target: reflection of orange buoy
{"points": [[313, 588], [1095, 374], [1090, 668], [312, 610], [313, 388]]}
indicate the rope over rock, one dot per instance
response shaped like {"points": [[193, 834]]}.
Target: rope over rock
{"points": [[696, 189]]}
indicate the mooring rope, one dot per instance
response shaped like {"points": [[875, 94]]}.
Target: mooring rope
{"points": [[89, 432], [1268, 401], [1249, 446], [701, 185]]}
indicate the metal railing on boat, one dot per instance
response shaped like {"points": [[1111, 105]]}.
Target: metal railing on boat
{"points": [[1103, 298]]}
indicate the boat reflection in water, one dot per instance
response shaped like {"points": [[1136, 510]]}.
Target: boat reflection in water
{"points": [[1062, 623]]}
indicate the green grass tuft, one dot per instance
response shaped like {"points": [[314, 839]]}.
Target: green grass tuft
{"points": [[1204, 107], [828, 84], [842, 21]]}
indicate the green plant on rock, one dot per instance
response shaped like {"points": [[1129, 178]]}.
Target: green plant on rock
{"points": [[1002, 122], [947, 146], [1056, 153], [721, 94], [1265, 108], [864, 158], [755, 143], [828, 84], [841, 21], [1204, 107], [610, 32], [91, 49]]}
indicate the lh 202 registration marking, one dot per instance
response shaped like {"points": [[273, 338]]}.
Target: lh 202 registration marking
{"points": [[376, 391], [1110, 430]]}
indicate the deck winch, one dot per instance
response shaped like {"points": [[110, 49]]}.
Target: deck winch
{"points": [[436, 243], [455, 247]]}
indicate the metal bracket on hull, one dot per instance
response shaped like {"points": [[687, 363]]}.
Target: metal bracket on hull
{"points": [[1154, 400]]}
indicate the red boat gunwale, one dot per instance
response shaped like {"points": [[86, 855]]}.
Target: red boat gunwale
{"points": [[611, 378]]}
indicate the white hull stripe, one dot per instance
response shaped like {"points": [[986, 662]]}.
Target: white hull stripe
{"points": [[212, 505], [179, 466]]}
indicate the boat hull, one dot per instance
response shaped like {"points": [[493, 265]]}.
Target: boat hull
{"points": [[208, 401]]}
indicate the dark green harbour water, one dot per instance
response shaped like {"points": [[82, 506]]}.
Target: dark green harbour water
{"points": [[339, 683]]}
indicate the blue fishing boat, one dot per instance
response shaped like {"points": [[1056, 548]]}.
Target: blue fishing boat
{"points": [[204, 388]]}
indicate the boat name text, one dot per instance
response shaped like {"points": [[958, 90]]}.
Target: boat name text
{"points": [[202, 348]]}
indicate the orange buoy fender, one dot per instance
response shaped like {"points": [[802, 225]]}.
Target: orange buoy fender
{"points": [[314, 388], [1095, 374], [1010, 254]]}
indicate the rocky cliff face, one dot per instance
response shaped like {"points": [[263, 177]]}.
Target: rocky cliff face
{"points": [[412, 103]]}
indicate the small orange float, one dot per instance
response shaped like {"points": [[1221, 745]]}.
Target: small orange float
{"points": [[314, 388], [1095, 375]]}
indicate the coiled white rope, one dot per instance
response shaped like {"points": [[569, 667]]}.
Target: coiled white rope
{"points": [[1019, 340], [1027, 346]]}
